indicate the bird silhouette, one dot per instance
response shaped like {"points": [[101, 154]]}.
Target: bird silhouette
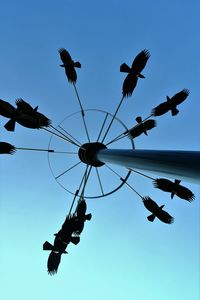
{"points": [[69, 65], [174, 188], [6, 148], [141, 127], [156, 211], [25, 115], [134, 72], [171, 104]]}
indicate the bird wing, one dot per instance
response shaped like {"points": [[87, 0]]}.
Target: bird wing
{"points": [[161, 109], [163, 184], [180, 97], [151, 205], [6, 109], [64, 55], [125, 68], [128, 85], [140, 61], [163, 216], [71, 73], [24, 107], [184, 193], [149, 124]]}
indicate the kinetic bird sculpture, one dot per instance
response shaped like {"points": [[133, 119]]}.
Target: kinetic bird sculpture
{"points": [[69, 65], [134, 72], [6, 148], [171, 104], [156, 211], [174, 188], [24, 114], [141, 127], [69, 233]]}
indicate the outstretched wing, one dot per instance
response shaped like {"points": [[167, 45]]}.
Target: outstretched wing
{"points": [[161, 109], [136, 131], [140, 61], [163, 184], [149, 124], [129, 85], [24, 107], [65, 56], [184, 193], [6, 109], [180, 97], [151, 205], [163, 216]]}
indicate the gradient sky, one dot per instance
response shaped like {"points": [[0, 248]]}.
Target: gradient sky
{"points": [[121, 255]]}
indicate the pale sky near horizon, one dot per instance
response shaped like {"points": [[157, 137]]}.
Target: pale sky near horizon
{"points": [[121, 255]]}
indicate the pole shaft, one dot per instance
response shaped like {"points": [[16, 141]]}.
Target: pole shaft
{"points": [[183, 165]]}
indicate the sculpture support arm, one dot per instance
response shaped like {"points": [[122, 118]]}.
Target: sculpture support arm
{"points": [[183, 165]]}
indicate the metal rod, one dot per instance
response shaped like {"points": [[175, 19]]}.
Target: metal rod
{"points": [[34, 149], [68, 170], [82, 112], [109, 126], [171, 163], [73, 138]]}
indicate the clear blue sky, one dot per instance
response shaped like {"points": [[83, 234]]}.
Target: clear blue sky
{"points": [[121, 255]]}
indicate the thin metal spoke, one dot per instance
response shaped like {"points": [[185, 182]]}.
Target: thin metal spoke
{"points": [[102, 127], [72, 137], [123, 135], [140, 173], [123, 180], [68, 170], [61, 137], [86, 180], [100, 184], [69, 139], [34, 149], [120, 103], [82, 112], [77, 191], [63, 152]]}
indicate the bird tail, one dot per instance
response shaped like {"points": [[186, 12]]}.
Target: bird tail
{"points": [[47, 246], [125, 68], [174, 111], [151, 217], [77, 64], [10, 125], [75, 240], [88, 217]]}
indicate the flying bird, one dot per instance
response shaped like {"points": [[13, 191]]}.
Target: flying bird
{"points": [[26, 116], [156, 211], [174, 188], [69, 65], [134, 72], [6, 148], [141, 127], [171, 104]]}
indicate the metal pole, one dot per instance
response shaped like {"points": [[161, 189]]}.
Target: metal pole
{"points": [[183, 165]]}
